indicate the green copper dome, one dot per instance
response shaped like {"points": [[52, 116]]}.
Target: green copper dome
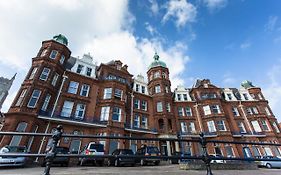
{"points": [[61, 39], [157, 62], [247, 84]]}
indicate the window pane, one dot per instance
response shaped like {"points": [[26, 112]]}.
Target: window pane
{"points": [[53, 54], [67, 109], [45, 73], [73, 87], [34, 98]]}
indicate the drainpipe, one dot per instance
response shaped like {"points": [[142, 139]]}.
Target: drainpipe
{"points": [[52, 114], [199, 117], [132, 114], [245, 117]]}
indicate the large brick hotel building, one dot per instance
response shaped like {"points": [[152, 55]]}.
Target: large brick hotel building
{"points": [[108, 100]]}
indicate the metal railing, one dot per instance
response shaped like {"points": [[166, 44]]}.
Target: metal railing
{"points": [[205, 157]]}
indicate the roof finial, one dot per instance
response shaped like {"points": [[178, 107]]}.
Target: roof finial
{"points": [[156, 56]]}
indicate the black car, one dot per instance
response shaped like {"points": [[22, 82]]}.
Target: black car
{"points": [[63, 161], [148, 151], [180, 157], [118, 161]]}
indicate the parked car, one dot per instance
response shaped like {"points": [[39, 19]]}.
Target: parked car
{"points": [[217, 160], [148, 151], [122, 161], [92, 148], [63, 161], [13, 161], [272, 162], [182, 157]]}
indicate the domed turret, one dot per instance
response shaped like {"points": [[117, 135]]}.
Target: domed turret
{"points": [[61, 39], [157, 62], [247, 84]]}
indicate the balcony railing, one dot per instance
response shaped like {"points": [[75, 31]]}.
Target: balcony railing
{"points": [[241, 134], [85, 120], [129, 127]]}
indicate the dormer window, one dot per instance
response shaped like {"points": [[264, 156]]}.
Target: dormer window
{"points": [[245, 96], [229, 96], [89, 71], [164, 75], [137, 87], [53, 54], [185, 97], [142, 89], [79, 68]]}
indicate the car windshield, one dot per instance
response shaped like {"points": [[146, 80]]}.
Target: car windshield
{"points": [[13, 149], [97, 147], [126, 152], [152, 150]]}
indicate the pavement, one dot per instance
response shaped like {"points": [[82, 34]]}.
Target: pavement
{"points": [[138, 170]]}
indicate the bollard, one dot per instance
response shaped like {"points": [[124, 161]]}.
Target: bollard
{"points": [[205, 157], [53, 151]]}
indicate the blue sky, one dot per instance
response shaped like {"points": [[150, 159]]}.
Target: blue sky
{"points": [[225, 41]]}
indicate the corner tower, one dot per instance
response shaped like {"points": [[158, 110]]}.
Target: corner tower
{"points": [[159, 87]]}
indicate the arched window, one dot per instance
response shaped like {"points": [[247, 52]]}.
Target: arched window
{"points": [[16, 139]]}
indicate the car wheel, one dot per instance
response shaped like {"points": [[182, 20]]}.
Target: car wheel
{"points": [[107, 163], [142, 162], [116, 163], [157, 163], [268, 165]]}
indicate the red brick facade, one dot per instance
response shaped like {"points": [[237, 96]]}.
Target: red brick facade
{"points": [[112, 103]]}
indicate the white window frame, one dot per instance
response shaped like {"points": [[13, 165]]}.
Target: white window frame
{"points": [[235, 111], [184, 127], [118, 93], [66, 110], [159, 106], [268, 113], [21, 97], [16, 139], [265, 125], [188, 111], [168, 107], [211, 126], [241, 126], [73, 87], [104, 113], [78, 70], [256, 126], [181, 111], [157, 89], [62, 58], [89, 71], [136, 103], [33, 72], [53, 54], [118, 113], [136, 120], [45, 74], [85, 88], [55, 79], [215, 108], [192, 127], [222, 124], [107, 93], [34, 97], [46, 102], [144, 120], [144, 105], [44, 53], [207, 110], [275, 127], [80, 108]]}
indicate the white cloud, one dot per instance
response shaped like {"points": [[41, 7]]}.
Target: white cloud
{"points": [[273, 90], [181, 12], [245, 45], [213, 5], [271, 23], [154, 7], [229, 80], [104, 28], [150, 29], [138, 53]]}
